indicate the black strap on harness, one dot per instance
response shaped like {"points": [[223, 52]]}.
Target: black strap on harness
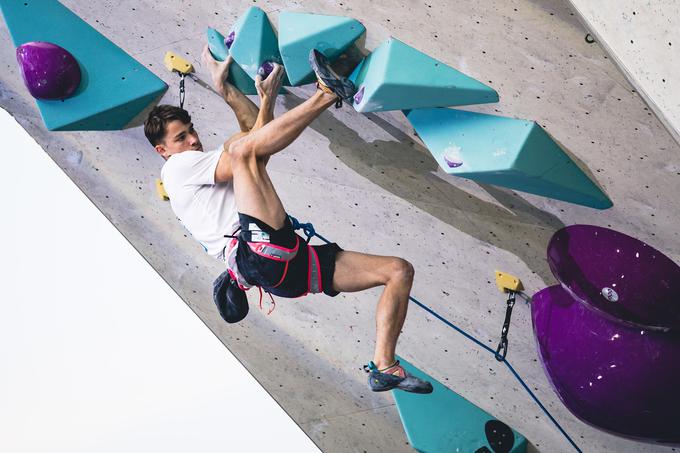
{"points": [[234, 234]]}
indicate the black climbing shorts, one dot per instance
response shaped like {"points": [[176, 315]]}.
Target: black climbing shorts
{"points": [[268, 273]]}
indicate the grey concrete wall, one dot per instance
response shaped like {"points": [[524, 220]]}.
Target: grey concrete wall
{"points": [[642, 37], [368, 183]]}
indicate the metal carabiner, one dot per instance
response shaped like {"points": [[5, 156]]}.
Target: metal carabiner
{"points": [[181, 90]]}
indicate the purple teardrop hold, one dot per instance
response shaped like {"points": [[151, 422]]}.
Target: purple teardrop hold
{"points": [[609, 335], [229, 40], [359, 96], [452, 157], [452, 161], [266, 69], [49, 71]]}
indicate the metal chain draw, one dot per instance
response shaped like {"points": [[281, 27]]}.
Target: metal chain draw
{"points": [[502, 349]]}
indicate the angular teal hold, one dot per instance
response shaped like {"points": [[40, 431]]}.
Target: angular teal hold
{"points": [[507, 152], [445, 421], [114, 89], [395, 76], [255, 42], [237, 76], [301, 32]]}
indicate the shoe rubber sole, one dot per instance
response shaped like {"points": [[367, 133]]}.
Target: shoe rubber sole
{"points": [[341, 86]]}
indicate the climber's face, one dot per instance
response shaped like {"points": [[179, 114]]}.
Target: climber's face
{"points": [[179, 137]]}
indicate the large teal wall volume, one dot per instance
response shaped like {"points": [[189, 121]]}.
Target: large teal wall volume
{"points": [[237, 76], [114, 87], [395, 76], [444, 421], [300, 32], [254, 42], [507, 152]]}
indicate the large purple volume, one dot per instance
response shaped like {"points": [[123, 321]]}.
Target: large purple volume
{"points": [[49, 71], [609, 336], [618, 275]]}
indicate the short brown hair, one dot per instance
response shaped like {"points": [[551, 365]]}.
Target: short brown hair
{"points": [[158, 119]]}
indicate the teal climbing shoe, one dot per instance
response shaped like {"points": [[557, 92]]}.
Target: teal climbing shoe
{"points": [[394, 377]]}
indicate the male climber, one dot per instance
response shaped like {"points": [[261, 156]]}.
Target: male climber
{"points": [[227, 201]]}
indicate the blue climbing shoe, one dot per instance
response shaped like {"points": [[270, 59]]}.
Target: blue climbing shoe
{"points": [[328, 80], [394, 377]]}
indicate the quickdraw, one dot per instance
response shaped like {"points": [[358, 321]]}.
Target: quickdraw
{"points": [[175, 63], [511, 285], [502, 349]]}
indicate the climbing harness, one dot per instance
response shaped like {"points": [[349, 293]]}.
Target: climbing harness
{"points": [[232, 268], [505, 283], [258, 242]]}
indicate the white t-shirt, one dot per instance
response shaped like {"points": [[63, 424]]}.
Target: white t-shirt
{"points": [[206, 209]]}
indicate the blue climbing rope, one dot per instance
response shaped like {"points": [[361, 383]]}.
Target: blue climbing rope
{"points": [[309, 231]]}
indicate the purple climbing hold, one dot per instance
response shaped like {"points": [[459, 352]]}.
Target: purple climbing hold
{"points": [[620, 276], [229, 40], [359, 96], [611, 375], [266, 69], [452, 157], [608, 336], [49, 71]]}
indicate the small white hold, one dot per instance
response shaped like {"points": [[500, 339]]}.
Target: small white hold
{"points": [[610, 294], [500, 152]]}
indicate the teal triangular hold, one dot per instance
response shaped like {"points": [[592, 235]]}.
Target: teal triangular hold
{"points": [[255, 42], [507, 152], [301, 32], [444, 421], [114, 87], [237, 76], [395, 76]]}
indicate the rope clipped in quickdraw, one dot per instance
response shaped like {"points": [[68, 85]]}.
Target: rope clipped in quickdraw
{"points": [[511, 285], [175, 63], [308, 229]]}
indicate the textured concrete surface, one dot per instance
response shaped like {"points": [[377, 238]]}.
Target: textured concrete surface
{"points": [[643, 38], [369, 184]]}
